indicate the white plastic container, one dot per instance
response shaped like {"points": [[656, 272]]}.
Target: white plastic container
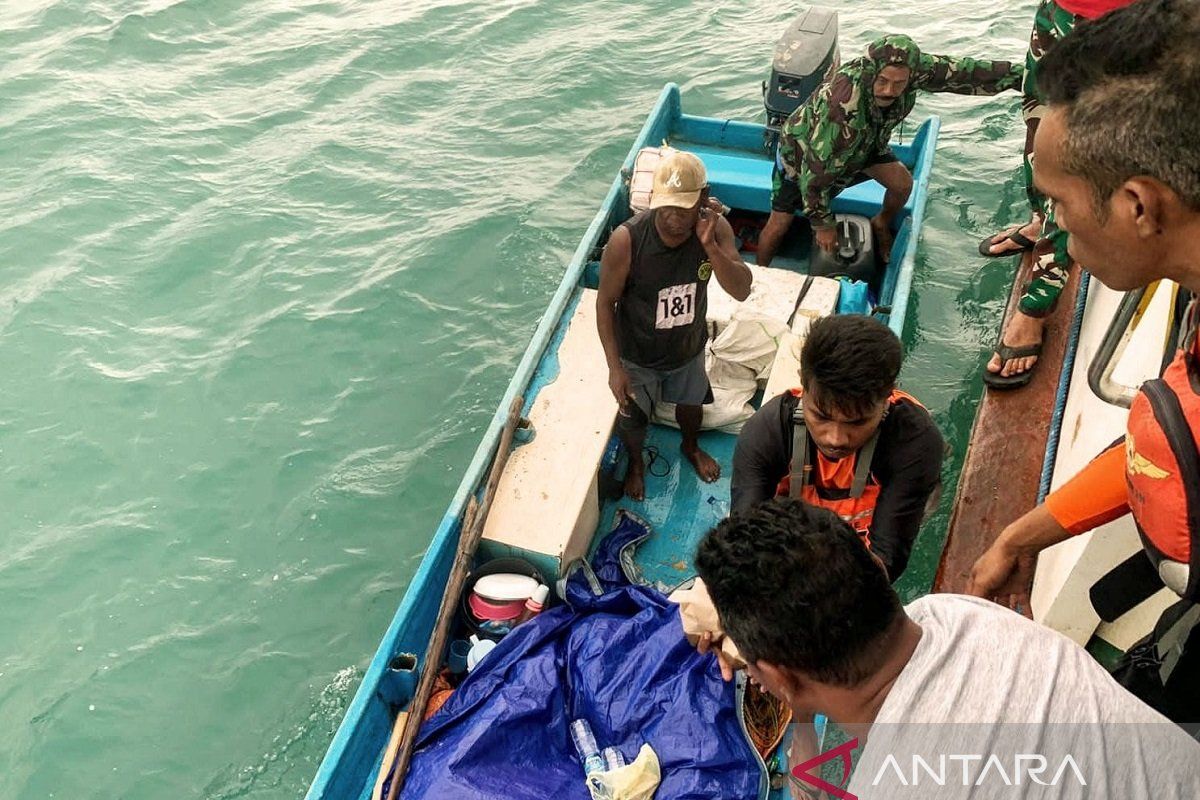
{"points": [[505, 587]]}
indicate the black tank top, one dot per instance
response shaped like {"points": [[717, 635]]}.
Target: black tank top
{"points": [[661, 316]]}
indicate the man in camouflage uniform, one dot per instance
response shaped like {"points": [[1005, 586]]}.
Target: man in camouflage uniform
{"points": [[1020, 344], [840, 135]]}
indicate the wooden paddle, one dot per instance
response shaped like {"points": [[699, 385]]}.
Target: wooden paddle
{"points": [[399, 750]]}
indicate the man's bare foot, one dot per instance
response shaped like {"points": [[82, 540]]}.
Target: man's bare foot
{"points": [[1021, 331], [1002, 243], [883, 238], [635, 480], [704, 464]]}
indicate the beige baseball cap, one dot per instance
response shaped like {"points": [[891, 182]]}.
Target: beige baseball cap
{"points": [[678, 180]]}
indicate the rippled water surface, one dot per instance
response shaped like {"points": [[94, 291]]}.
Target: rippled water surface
{"points": [[265, 268]]}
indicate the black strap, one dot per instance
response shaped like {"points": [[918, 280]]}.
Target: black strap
{"points": [[862, 469], [1168, 412], [1125, 586], [800, 470], [808, 282]]}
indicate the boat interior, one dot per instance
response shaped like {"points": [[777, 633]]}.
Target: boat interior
{"points": [[551, 507], [554, 501]]}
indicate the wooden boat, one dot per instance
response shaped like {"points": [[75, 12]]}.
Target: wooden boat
{"points": [[1101, 344], [548, 508]]}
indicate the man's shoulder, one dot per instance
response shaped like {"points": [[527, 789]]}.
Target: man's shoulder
{"points": [[909, 422], [773, 414], [776, 404], [842, 90], [636, 221], [954, 606]]}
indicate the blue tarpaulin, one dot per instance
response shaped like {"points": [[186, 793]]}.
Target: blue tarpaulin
{"points": [[618, 659]]}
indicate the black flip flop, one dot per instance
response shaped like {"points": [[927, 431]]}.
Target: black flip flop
{"points": [[997, 381], [1016, 237]]}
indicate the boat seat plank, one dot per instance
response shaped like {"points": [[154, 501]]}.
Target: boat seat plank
{"points": [[743, 180], [546, 505]]}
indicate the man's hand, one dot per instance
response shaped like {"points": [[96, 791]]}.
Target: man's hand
{"points": [[620, 385], [803, 748], [826, 237], [706, 227], [706, 643], [1004, 574]]}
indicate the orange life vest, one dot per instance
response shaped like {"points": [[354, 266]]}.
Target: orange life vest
{"points": [[1162, 464], [846, 487]]}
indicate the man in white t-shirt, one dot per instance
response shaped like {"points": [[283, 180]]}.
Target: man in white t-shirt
{"points": [[948, 697]]}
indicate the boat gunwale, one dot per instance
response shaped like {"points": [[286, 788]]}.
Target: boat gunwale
{"points": [[667, 105]]}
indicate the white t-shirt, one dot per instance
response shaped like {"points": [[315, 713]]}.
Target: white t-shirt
{"points": [[993, 705]]}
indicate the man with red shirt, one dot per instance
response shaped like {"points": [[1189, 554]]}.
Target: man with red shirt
{"points": [[1118, 152], [1021, 341]]}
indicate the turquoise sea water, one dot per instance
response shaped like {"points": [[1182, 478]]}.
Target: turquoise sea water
{"points": [[265, 268]]}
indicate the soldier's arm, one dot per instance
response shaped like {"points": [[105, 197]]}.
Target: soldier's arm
{"points": [[824, 150], [816, 185], [967, 75]]}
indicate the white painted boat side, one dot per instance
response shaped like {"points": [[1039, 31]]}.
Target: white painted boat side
{"points": [[1066, 572]]}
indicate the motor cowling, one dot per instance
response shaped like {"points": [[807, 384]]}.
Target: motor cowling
{"points": [[854, 254], [805, 55]]}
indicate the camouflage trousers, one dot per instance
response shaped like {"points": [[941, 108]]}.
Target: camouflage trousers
{"points": [[1051, 262]]}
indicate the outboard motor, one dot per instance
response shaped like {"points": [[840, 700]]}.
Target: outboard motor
{"points": [[854, 254], [805, 55]]}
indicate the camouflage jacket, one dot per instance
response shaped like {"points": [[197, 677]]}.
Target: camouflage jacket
{"points": [[827, 141]]}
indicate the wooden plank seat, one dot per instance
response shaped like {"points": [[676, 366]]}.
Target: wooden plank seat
{"points": [[547, 505], [743, 180]]}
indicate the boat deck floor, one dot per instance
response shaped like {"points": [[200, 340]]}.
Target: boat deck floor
{"points": [[679, 506]]}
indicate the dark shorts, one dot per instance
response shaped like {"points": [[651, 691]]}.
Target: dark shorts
{"points": [[785, 192], [685, 386]]}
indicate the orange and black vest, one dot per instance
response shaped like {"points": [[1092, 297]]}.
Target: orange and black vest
{"points": [[1162, 466], [846, 487]]}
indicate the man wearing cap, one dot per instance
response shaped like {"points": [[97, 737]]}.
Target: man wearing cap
{"points": [[651, 307], [839, 137]]}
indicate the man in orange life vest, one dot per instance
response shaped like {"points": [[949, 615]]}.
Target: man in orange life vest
{"points": [[849, 441], [1119, 154]]}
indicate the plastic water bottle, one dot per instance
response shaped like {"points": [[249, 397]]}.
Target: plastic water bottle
{"points": [[719, 507], [612, 759], [612, 452], [585, 745]]}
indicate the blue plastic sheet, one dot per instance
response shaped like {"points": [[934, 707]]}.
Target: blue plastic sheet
{"points": [[618, 659]]}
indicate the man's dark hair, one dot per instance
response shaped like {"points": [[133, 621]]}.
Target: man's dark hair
{"points": [[794, 585], [853, 359], [1130, 85]]}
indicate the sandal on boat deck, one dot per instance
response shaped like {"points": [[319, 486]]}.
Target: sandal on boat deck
{"points": [[1023, 242], [997, 381]]}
